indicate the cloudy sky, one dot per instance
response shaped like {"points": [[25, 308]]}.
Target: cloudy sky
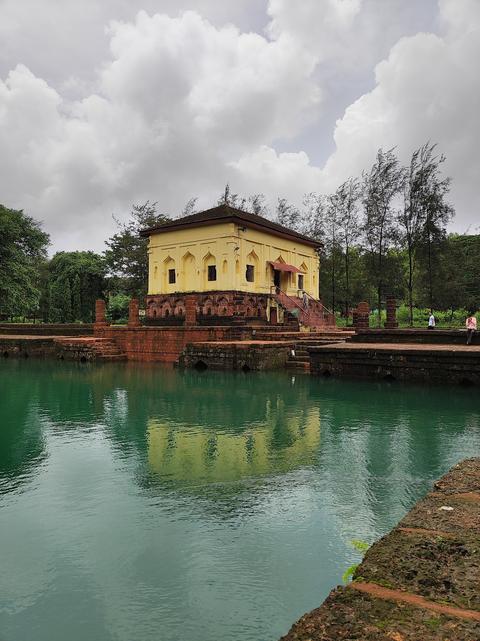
{"points": [[105, 103]]}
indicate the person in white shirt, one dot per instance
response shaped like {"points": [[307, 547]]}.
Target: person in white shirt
{"points": [[431, 321]]}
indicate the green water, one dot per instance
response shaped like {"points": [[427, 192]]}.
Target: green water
{"points": [[140, 503]]}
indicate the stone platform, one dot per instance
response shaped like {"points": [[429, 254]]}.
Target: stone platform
{"points": [[414, 335], [237, 355], [72, 348], [46, 329], [418, 583], [457, 364]]}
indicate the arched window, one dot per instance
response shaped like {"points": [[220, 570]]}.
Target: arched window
{"points": [[188, 275], [251, 269], [210, 270], [169, 274]]}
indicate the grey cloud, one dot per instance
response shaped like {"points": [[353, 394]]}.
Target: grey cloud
{"points": [[172, 106]]}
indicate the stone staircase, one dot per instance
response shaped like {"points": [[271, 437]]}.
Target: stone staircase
{"points": [[88, 349], [299, 359], [327, 335], [314, 315]]}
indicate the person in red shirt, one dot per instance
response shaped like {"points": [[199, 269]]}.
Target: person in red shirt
{"points": [[471, 325]]}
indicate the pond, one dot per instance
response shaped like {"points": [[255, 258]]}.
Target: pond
{"points": [[141, 503]]}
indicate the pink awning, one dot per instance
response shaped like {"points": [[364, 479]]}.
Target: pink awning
{"points": [[283, 267]]}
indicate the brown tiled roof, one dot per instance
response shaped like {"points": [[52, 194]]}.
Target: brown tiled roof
{"points": [[225, 213]]}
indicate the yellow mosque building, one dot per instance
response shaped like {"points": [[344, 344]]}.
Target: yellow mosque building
{"points": [[236, 263]]}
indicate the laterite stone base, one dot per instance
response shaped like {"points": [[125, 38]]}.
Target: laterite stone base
{"points": [[418, 583]]}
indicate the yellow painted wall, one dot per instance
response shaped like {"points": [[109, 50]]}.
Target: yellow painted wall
{"points": [[230, 248]]}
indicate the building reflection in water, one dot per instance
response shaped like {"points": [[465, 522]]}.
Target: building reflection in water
{"points": [[371, 445], [280, 441]]}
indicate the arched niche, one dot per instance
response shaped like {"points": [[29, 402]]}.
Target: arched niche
{"points": [[188, 274]]}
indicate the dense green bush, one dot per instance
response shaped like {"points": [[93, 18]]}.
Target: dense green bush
{"points": [[445, 319], [117, 308]]}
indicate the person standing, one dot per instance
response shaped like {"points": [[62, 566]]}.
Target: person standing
{"points": [[305, 301], [431, 321], [471, 325]]}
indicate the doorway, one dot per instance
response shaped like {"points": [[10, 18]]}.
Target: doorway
{"points": [[277, 274]]}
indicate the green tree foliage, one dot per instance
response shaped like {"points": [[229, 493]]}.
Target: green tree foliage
{"points": [[437, 213], [347, 199], [386, 234], [75, 281], [381, 185], [76, 293], [118, 307], [190, 207], [23, 247], [126, 257], [254, 204], [459, 275], [288, 215]]}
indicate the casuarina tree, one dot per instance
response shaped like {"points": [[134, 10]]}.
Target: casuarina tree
{"points": [[381, 186], [424, 213]]}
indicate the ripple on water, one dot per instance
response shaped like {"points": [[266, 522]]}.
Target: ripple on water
{"points": [[139, 501]]}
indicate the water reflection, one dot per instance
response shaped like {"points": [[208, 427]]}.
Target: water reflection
{"points": [[144, 503], [22, 446], [190, 428], [193, 454]]}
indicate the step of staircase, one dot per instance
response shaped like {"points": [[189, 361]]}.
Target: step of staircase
{"points": [[302, 366], [90, 349], [299, 358]]}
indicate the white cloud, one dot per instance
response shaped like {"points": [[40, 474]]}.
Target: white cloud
{"points": [[176, 102], [64, 42], [182, 104], [290, 175], [427, 89], [322, 27]]}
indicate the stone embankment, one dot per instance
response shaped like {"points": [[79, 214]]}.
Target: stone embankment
{"points": [[421, 582], [70, 348], [265, 350], [46, 329], [245, 355], [457, 364], [414, 336]]}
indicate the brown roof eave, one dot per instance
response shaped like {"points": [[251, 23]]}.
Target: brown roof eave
{"points": [[235, 219]]}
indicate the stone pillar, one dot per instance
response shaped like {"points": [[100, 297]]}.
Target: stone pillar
{"points": [[133, 315], [190, 310], [354, 318], [391, 322], [100, 317], [100, 323], [362, 316]]}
